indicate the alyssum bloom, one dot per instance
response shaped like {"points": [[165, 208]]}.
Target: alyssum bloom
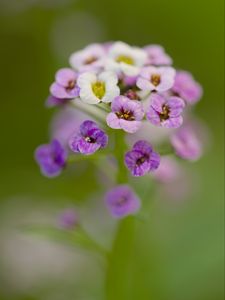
{"points": [[123, 88], [51, 158], [122, 201], [186, 87], [125, 59], [186, 142], [158, 79], [165, 111], [68, 219], [157, 56], [89, 139], [98, 88], [90, 58], [65, 86], [126, 114], [142, 159]]}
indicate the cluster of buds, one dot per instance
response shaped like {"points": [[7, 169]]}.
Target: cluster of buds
{"points": [[118, 87]]}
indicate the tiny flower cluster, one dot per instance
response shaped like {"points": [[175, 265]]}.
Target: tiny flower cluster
{"points": [[127, 86]]}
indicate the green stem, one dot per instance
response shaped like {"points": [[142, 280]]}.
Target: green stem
{"points": [[117, 277], [119, 263], [119, 152]]}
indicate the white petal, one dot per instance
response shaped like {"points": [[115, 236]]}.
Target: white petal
{"points": [[86, 78], [109, 76], [87, 96], [129, 70]]}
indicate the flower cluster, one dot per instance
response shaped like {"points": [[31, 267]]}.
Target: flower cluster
{"points": [[122, 87]]}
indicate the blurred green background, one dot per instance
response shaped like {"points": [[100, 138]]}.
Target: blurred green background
{"points": [[179, 252]]}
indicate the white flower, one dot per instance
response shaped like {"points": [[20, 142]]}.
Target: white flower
{"points": [[89, 59], [98, 88], [126, 59]]}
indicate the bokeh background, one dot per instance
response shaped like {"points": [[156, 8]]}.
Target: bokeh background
{"points": [[179, 252]]}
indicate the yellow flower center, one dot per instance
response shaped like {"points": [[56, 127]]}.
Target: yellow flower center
{"points": [[125, 59], [98, 89]]}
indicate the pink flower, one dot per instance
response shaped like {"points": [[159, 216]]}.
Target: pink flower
{"points": [[158, 79], [126, 114], [186, 87], [165, 112], [157, 56]]}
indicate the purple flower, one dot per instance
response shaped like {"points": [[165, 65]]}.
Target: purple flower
{"points": [[65, 86], [186, 87], [51, 158], [89, 139], [158, 79], [187, 143], [142, 159], [157, 56], [126, 114], [122, 201], [68, 219], [164, 111]]}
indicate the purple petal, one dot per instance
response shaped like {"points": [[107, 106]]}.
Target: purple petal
{"points": [[51, 158], [122, 201], [143, 147], [153, 116], [157, 101], [186, 87], [74, 141], [130, 126], [86, 126], [64, 76], [176, 106], [113, 121], [154, 161], [131, 159], [173, 122], [58, 91], [87, 148], [118, 103], [100, 137]]}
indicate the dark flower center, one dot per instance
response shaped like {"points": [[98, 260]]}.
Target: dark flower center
{"points": [[90, 140], [90, 60], [121, 201], [126, 115], [165, 114], [155, 79], [132, 94], [141, 160], [71, 85]]}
